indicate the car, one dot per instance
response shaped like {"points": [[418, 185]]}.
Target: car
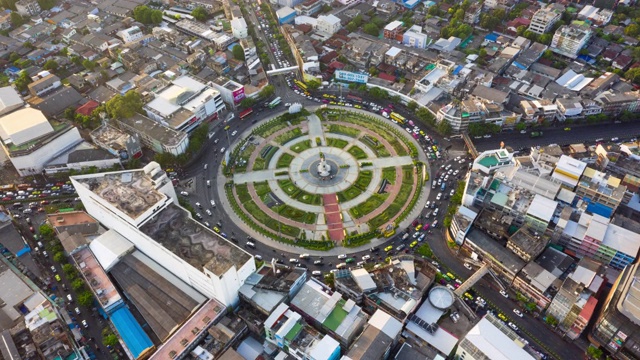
{"points": [[69, 297], [517, 312], [206, 223], [318, 262], [388, 248], [198, 205], [45, 254], [487, 136], [304, 256], [215, 228], [58, 278], [523, 131], [208, 183], [342, 256], [450, 287], [366, 257], [234, 133], [614, 139], [415, 235], [422, 237], [502, 317], [413, 244], [439, 196], [208, 212], [567, 129], [294, 260], [85, 324], [418, 227], [453, 191], [480, 300], [427, 204], [513, 326], [504, 293], [222, 150], [53, 269], [184, 193], [77, 311], [213, 203], [467, 266], [400, 248], [374, 249]]}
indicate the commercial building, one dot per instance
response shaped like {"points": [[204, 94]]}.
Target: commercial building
{"points": [[118, 142], [309, 7], [505, 263], [568, 171], [349, 76], [544, 19], [617, 326], [490, 338], [141, 206], [28, 8], [31, 141], [157, 136], [328, 312], [285, 15], [570, 39], [272, 285], [232, 92], [287, 329], [415, 38], [527, 243], [601, 192], [461, 223], [380, 335], [131, 34], [184, 104], [10, 100], [239, 28], [615, 103], [535, 283], [393, 29], [328, 24]]}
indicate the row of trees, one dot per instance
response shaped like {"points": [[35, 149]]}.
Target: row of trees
{"points": [[146, 15]]}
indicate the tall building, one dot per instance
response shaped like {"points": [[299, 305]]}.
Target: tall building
{"points": [[328, 24], [28, 7], [568, 171], [617, 327], [141, 206], [601, 192], [544, 19], [414, 37], [570, 39], [131, 34], [239, 28], [491, 339]]}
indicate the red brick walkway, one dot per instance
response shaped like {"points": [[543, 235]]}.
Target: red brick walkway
{"points": [[333, 217]]}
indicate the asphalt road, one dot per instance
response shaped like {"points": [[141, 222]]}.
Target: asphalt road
{"points": [[577, 134]]}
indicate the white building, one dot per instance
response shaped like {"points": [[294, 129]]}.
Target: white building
{"points": [[184, 104], [232, 92], [131, 34], [491, 339], [415, 38], [568, 171], [30, 141], [141, 206], [328, 24], [9, 100], [544, 19], [239, 28], [570, 39]]}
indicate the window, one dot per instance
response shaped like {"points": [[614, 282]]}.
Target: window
{"points": [[173, 354]]}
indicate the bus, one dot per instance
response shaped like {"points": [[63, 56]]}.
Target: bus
{"points": [[275, 102], [245, 113], [301, 85], [397, 117], [354, 98]]}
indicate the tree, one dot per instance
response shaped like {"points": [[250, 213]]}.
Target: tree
{"points": [[77, 284], [632, 30], [594, 352], [551, 320], [238, 52], [50, 65], [16, 19], [85, 298], [545, 39], [547, 54], [88, 64], [313, 84], [46, 231], [124, 106], [110, 340], [146, 15], [412, 105], [247, 103], [200, 13], [68, 268], [633, 75], [267, 92], [371, 29], [521, 126], [445, 128], [59, 257]]}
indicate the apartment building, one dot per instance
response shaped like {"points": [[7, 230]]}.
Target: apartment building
{"points": [[602, 192], [490, 338], [544, 19], [28, 8], [328, 24], [570, 39], [131, 34], [393, 29], [614, 103]]}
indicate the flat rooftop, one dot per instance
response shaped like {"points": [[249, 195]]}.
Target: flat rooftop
{"points": [[97, 278], [14, 293], [500, 253], [193, 242], [155, 130], [70, 218], [131, 192], [111, 137]]}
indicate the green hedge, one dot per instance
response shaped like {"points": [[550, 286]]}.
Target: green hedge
{"points": [[337, 143], [284, 161], [359, 240], [357, 152]]}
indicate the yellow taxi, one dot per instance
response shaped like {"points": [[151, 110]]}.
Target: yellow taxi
{"points": [[388, 248], [413, 244], [215, 228], [58, 277]]}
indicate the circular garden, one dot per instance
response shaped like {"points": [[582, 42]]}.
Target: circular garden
{"points": [[332, 178]]}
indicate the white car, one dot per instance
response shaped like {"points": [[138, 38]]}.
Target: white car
{"points": [[439, 196], [77, 311], [366, 257], [222, 150], [467, 266], [427, 204], [234, 133], [198, 205], [85, 323], [504, 293], [342, 256], [53, 269], [517, 312], [208, 212], [213, 203], [513, 326]]}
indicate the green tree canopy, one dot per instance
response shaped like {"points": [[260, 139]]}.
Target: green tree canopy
{"points": [[16, 19], [200, 13], [445, 128], [120, 106], [632, 30], [77, 284], [59, 257], [88, 64], [313, 84], [46, 4], [412, 105], [371, 29], [247, 103], [267, 92], [147, 15], [46, 231], [110, 340], [85, 298], [68, 269], [50, 65], [238, 52], [633, 75]]}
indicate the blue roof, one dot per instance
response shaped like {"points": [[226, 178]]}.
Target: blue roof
{"points": [[130, 331], [600, 209], [457, 70], [519, 66], [491, 37]]}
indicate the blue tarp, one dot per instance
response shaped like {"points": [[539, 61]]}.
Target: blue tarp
{"points": [[24, 250], [492, 37], [457, 70], [519, 66], [130, 331], [600, 209], [586, 58]]}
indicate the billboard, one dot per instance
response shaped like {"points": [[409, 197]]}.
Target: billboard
{"points": [[238, 95]]}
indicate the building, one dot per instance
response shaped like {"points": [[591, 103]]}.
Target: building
{"points": [[10, 100], [28, 8], [617, 326], [184, 104], [615, 103], [492, 339], [239, 28], [285, 15], [287, 329], [535, 283], [157, 136], [568, 171], [570, 39], [505, 263], [349, 76], [328, 24], [45, 84], [31, 141], [491, 161], [461, 223], [327, 311], [130, 35], [141, 206], [544, 19], [309, 7], [289, 3], [415, 38], [118, 142], [527, 243], [232, 92], [380, 335], [601, 192], [472, 14], [393, 29], [272, 285]]}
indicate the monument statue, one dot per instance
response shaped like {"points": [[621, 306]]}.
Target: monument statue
{"points": [[324, 169]]}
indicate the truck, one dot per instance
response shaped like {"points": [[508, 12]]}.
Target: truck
{"points": [[535, 134]]}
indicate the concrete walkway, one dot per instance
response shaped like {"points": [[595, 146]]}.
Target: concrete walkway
{"points": [[381, 163], [258, 176], [315, 130]]}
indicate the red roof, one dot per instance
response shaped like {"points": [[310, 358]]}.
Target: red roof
{"points": [[519, 22], [587, 309], [336, 65], [385, 76], [87, 108]]}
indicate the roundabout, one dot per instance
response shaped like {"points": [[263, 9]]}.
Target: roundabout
{"points": [[325, 179]]}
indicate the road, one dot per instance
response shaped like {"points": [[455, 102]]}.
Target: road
{"points": [[577, 134]]}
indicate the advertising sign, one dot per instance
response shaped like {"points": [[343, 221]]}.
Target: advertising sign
{"points": [[238, 95]]}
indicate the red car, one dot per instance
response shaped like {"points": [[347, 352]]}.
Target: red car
{"points": [[42, 195], [6, 198], [44, 202], [59, 184], [32, 229], [415, 223], [425, 227]]}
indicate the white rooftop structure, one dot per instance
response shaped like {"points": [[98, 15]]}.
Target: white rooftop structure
{"points": [[386, 323], [9, 99], [363, 279], [172, 98], [393, 25], [495, 344], [582, 275], [304, 19], [24, 125], [542, 208], [394, 51], [573, 81], [331, 19], [109, 247], [622, 240], [324, 348], [568, 170]]}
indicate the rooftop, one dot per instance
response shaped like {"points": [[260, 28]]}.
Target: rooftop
{"points": [[493, 343], [97, 278], [501, 254], [528, 241], [542, 208], [155, 130], [9, 99], [621, 239], [132, 192], [24, 125], [14, 293], [193, 242]]}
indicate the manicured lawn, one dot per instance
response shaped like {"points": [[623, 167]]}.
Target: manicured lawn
{"points": [[259, 164], [295, 214], [292, 190], [357, 152], [284, 161], [262, 188], [348, 194], [344, 130], [376, 146], [368, 205], [288, 136], [260, 216], [389, 173], [301, 146], [336, 143], [243, 193], [364, 179]]}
